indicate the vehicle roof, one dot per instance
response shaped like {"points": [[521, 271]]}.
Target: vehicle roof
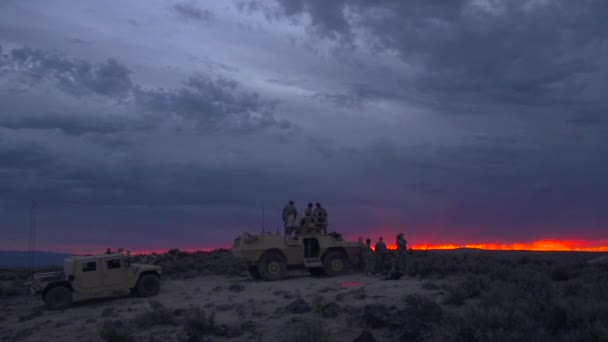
{"points": [[96, 256]]}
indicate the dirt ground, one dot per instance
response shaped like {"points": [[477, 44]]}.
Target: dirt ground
{"points": [[262, 306]]}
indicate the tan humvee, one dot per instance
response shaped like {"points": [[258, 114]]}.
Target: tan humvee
{"points": [[95, 276], [270, 255]]}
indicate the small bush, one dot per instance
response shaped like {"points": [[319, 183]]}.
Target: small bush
{"points": [[115, 331], [158, 314], [197, 324], [314, 330], [423, 308]]}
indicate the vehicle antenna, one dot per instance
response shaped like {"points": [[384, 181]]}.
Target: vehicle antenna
{"points": [[263, 226]]}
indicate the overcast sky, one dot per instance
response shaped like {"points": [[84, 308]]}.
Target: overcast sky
{"points": [[160, 124]]}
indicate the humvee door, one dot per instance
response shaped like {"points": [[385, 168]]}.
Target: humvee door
{"points": [[87, 274], [114, 271]]}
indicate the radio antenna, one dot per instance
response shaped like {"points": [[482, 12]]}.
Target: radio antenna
{"points": [[32, 242], [263, 218]]}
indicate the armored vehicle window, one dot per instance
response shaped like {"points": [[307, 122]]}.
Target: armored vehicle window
{"points": [[114, 263], [89, 266]]}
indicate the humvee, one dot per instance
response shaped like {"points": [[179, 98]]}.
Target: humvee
{"points": [[270, 256], [95, 276]]}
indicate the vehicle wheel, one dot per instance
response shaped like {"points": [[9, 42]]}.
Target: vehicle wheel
{"points": [[58, 297], [272, 267], [335, 264], [317, 271], [254, 272], [148, 285]]}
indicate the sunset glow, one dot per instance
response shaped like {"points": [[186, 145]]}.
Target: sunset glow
{"points": [[541, 245]]}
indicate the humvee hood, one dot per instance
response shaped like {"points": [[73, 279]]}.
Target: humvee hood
{"points": [[145, 267]]}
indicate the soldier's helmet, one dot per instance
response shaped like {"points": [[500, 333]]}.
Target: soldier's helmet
{"points": [[291, 202]]}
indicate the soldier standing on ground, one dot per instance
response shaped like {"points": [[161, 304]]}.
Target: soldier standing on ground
{"points": [[401, 252], [289, 217], [368, 257], [320, 216], [381, 252]]}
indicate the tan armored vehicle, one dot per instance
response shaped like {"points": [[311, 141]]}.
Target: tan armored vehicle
{"points": [[271, 255], [95, 276]]}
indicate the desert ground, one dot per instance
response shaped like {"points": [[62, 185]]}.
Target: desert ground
{"points": [[446, 296]]}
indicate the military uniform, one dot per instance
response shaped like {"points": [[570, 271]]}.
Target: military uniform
{"points": [[320, 218], [401, 253], [289, 218], [381, 252], [368, 259]]}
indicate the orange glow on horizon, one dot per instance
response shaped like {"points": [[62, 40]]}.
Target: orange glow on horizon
{"points": [[541, 245]]}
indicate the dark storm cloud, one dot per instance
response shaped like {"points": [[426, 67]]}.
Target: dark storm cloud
{"points": [[212, 102], [190, 11], [521, 53], [76, 77], [67, 124]]}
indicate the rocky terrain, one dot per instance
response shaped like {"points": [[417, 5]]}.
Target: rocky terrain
{"points": [[446, 296]]}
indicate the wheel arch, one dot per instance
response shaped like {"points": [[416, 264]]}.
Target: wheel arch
{"points": [[336, 249], [55, 284], [273, 251]]}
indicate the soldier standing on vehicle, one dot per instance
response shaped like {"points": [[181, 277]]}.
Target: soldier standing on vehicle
{"points": [[320, 216], [308, 215], [368, 257], [381, 252], [401, 252], [289, 217]]}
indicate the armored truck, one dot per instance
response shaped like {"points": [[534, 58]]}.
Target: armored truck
{"points": [[270, 256], [95, 276]]}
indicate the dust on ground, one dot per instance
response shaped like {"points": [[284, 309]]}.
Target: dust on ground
{"points": [[247, 309]]}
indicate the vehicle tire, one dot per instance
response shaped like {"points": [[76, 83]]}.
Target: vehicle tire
{"points": [[254, 272], [272, 266], [148, 285], [336, 263], [58, 297]]}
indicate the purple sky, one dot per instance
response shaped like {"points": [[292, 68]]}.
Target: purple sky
{"points": [[157, 124]]}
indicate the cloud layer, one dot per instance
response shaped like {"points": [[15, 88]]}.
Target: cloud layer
{"points": [[459, 122]]}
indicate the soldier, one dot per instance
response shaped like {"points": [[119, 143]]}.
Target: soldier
{"points": [[368, 257], [308, 219], [381, 252], [289, 217], [401, 252], [320, 216]]}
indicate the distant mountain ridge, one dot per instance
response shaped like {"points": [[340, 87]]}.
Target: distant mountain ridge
{"points": [[10, 259]]}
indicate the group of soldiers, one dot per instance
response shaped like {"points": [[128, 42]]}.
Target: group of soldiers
{"points": [[374, 259], [316, 216]]}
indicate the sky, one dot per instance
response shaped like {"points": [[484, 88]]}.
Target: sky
{"points": [[176, 124]]}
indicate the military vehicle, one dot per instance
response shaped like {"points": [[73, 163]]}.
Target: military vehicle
{"points": [[95, 276], [270, 256]]}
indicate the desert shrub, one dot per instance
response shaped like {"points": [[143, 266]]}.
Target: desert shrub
{"points": [[157, 314], [10, 291], [176, 263], [430, 286], [471, 287], [115, 331], [311, 330], [197, 324], [423, 308]]}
